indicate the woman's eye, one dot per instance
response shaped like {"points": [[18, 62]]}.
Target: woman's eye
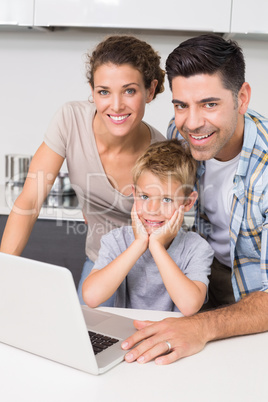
{"points": [[167, 200], [103, 92], [130, 91]]}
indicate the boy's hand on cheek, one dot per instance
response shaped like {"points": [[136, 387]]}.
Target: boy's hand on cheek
{"points": [[167, 232], [139, 230]]}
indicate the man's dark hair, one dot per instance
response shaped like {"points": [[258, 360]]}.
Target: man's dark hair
{"points": [[208, 54]]}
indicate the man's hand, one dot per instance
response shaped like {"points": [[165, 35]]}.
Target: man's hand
{"points": [[184, 334], [189, 335], [167, 232]]}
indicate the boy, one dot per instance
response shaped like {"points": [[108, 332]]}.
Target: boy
{"points": [[155, 264]]}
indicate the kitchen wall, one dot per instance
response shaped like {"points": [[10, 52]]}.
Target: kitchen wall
{"points": [[40, 70]]}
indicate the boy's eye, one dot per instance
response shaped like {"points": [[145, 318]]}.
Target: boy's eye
{"points": [[167, 200], [144, 197]]}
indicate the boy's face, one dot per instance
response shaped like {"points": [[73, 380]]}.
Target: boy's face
{"points": [[156, 201]]}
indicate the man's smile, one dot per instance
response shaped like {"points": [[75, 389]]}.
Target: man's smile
{"points": [[198, 138]]}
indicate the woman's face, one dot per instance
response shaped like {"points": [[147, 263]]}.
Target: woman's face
{"points": [[120, 98]]}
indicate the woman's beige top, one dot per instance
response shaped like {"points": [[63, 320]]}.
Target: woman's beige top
{"points": [[70, 134]]}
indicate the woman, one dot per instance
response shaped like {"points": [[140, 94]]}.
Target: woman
{"points": [[100, 139]]}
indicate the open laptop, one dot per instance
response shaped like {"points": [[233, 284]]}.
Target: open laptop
{"points": [[40, 313]]}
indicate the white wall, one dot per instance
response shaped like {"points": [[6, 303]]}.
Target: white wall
{"points": [[40, 70]]}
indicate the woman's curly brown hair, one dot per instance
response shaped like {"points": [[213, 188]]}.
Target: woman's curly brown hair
{"points": [[127, 49]]}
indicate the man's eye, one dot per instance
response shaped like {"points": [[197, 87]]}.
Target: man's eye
{"points": [[210, 105], [180, 106], [167, 200]]}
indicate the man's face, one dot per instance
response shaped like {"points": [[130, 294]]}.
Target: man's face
{"points": [[207, 116]]}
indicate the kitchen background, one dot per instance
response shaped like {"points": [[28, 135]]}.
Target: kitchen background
{"points": [[41, 68], [42, 54]]}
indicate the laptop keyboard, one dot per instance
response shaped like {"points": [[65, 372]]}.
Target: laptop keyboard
{"points": [[101, 342]]}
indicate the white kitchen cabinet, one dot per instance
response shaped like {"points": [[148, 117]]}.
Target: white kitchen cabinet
{"points": [[249, 16], [17, 12], [190, 15]]}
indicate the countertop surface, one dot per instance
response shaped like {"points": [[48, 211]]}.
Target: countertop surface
{"points": [[228, 370], [8, 196]]}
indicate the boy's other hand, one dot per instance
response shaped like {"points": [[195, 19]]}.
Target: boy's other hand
{"points": [[167, 232]]}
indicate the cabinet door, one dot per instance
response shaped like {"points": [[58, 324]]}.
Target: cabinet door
{"points": [[16, 12], [193, 15], [249, 16], [56, 242]]}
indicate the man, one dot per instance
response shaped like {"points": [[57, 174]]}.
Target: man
{"points": [[211, 98]]}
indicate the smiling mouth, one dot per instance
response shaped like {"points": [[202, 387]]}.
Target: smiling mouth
{"points": [[119, 118], [153, 223], [202, 137]]}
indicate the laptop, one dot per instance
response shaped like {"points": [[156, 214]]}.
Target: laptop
{"points": [[41, 314]]}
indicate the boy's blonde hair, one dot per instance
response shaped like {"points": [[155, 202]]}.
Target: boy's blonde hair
{"points": [[168, 159]]}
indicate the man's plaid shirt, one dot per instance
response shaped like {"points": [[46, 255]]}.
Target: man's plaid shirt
{"points": [[248, 227]]}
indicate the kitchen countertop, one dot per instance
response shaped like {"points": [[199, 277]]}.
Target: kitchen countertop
{"points": [[8, 196], [230, 370]]}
